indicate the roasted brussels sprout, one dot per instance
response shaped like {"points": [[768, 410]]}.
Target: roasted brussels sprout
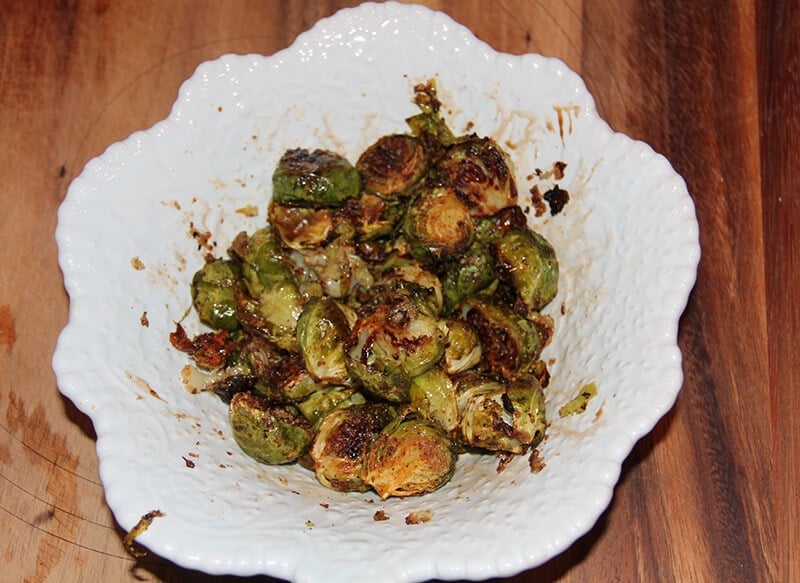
{"points": [[470, 273], [481, 173], [321, 332], [433, 396], [527, 400], [496, 419], [529, 261], [437, 224], [392, 345], [411, 456], [261, 258], [318, 404], [301, 227], [509, 341], [271, 434], [463, 349], [370, 217], [406, 277], [288, 383], [317, 178], [212, 294], [393, 164], [273, 313], [341, 442], [337, 266]]}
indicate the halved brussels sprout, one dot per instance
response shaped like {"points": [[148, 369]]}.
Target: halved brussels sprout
{"points": [[527, 401], [318, 404], [337, 267], [509, 342], [433, 396], [288, 383], [488, 415], [317, 178], [321, 332], [529, 261], [438, 224], [370, 217], [393, 164], [393, 344], [271, 434], [463, 350], [470, 273], [273, 313], [341, 442], [489, 229], [411, 456], [262, 259], [481, 173], [301, 227], [212, 294], [407, 278]]}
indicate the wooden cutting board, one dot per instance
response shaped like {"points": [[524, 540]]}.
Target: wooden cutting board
{"points": [[709, 495]]}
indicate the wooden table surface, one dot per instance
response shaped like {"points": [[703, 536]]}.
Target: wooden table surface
{"points": [[709, 495]]}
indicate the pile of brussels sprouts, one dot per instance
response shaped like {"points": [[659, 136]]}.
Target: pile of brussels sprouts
{"points": [[387, 318]]}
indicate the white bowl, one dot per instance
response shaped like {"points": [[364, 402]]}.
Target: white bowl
{"points": [[627, 242]]}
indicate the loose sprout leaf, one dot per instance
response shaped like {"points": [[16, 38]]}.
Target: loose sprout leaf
{"points": [[581, 402], [140, 527]]}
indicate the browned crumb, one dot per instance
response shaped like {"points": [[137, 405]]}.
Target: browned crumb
{"points": [[535, 462], [144, 321], [537, 201], [189, 463], [381, 515], [202, 238], [249, 210], [558, 170], [503, 459], [419, 517], [325, 505], [137, 264]]}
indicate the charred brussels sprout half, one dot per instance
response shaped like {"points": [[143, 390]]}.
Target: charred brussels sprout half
{"points": [[317, 178], [271, 434], [370, 217], [393, 164], [322, 402], [470, 273], [301, 227], [529, 261], [499, 418], [463, 350], [341, 442], [438, 224], [213, 296], [321, 332], [261, 258], [433, 396], [272, 313], [392, 345], [509, 342], [481, 173], [411, 456], [406, 278]]}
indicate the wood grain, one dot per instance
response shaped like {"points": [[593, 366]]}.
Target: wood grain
{"points": [[709, 495]]}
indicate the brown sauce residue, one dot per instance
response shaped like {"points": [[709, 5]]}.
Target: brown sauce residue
{"points": [[144, 385], [8, 329]]}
